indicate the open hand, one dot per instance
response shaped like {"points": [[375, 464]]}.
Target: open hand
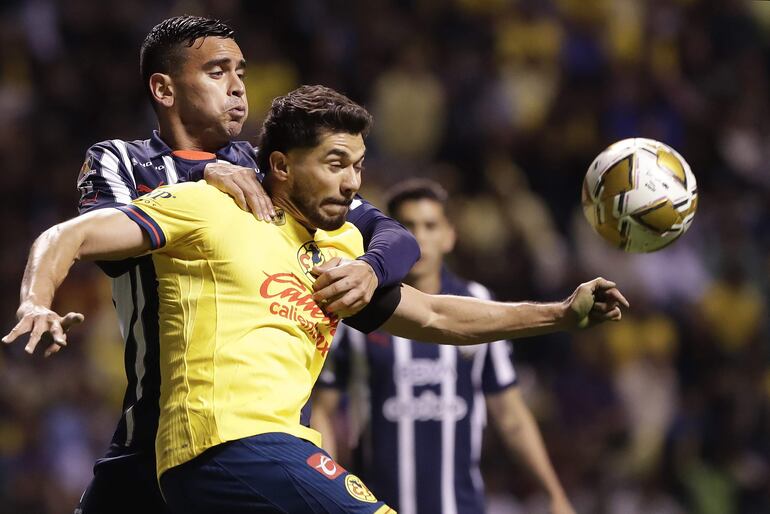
{"points": [[42, 322], [595, 302], [344, 286], [242, 184]]}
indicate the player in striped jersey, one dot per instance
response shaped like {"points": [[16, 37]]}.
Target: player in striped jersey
{"points": [[193, 71], [242, 336], [418, 410]]}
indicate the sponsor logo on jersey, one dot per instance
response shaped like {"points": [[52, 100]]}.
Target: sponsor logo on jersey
{"points": [[426, 407], [310, 255], [358, 490], [325, 465], [153, 198], [419, 372], [294, 302]]}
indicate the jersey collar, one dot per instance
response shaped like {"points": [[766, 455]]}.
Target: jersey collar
{"points": [[158, 148]]}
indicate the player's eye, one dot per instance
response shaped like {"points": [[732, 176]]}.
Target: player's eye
{"points": [[216, 74]]}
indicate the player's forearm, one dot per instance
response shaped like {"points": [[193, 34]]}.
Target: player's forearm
{"points": [[325, 402], [106, 234], [391, 253], [528, 445], [461, 320], [50, 259], [391, 250], [322, 422], [521, 435]]}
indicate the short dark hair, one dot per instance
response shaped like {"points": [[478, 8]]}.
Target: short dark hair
{"points": [[297, 119], [161, 50], [412, 190]]}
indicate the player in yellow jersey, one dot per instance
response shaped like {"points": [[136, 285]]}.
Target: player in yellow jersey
{"points": [[242, 336]]}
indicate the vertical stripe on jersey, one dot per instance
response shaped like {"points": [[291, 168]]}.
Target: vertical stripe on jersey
{"points": [[121, 289], [121, 146], [171, 175], [109, 171], [501, 362], [478, 417], [129, 299], [504, 374], [141, 342], [402, 349], [360, 394], [448, 359], [122, 297]]}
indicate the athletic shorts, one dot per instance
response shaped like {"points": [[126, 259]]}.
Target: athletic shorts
{"points": [[273, 473], [123, 484]]}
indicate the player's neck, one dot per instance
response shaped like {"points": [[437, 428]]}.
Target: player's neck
{"points": [[178, 138], [280, 201], [429, 283]]}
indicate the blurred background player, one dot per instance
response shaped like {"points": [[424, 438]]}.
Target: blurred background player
{"points": [[424, 406], [193, 71]]}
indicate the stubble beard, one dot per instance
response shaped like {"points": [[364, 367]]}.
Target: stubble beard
{"points": [[310, 209]]}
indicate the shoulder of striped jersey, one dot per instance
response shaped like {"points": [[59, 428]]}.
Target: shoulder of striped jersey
{"points": [[479, 291]]}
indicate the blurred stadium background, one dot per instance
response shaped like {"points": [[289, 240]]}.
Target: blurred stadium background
{"points": [[505, 102]]}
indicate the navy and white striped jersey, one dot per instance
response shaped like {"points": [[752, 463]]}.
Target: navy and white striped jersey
{"points": [[116, 172], [417, 412]]}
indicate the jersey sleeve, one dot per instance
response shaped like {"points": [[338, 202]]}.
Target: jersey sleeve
{"points": [[379, 310], [391, 250], [336, 370], [172, 215], [196, 171], [498, 373], [104, 179]]}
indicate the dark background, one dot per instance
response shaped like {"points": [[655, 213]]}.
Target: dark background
{"points": [[505, 103]]}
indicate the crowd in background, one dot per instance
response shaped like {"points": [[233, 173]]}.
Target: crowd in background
{"points": [[505, 103]]}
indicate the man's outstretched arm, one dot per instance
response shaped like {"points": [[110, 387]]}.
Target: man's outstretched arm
{"points": [[461, 320], [105, 234]]}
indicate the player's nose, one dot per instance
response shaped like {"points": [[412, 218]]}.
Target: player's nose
{"points": [[351, 182], [237, 87]]}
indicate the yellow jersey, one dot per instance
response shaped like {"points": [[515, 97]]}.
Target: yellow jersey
{"points": [[241, 339]]}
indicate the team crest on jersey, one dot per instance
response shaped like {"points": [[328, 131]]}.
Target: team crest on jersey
{"points": [[358, 490], [279, 218], [86, 170], [310, 255]]}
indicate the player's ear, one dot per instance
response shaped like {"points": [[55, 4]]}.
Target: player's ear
{"points": [[162, 89], [279, 165]]}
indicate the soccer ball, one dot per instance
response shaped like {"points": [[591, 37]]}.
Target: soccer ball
{"points": [[640, 195]]}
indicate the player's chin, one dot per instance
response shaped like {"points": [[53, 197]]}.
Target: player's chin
{"points": [[233, 128], [331, 221]]}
